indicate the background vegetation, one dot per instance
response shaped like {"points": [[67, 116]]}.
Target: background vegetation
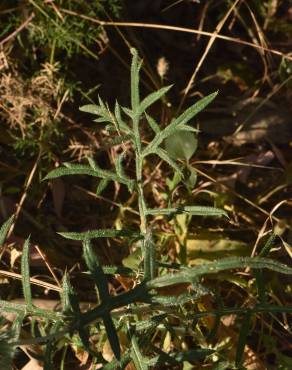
{"points": [[58, 55]]}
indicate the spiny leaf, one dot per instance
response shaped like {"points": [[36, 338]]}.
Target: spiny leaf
{"points": [[138, 359], [135, 68], [128, 112], [268, 245], [5, 228], [192, 210], [164, 156], [69, 299], [117, 365], [121, 123], [193, 110], [7, 349], [101, 186], [189, 275], [178, 123], [95, 270], [119, 166], [151, 98], [152, 123], [100, 233], [180, 357], [149, 257], [117, 140], [25, 273], [112, 335], [90, 108], [118, 270], [152, 323], [79, 169], [177, 300]]}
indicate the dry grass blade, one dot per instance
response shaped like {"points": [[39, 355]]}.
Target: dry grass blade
{"points": [[177, 29], [19, 29], [34, 281], [203, 57]]}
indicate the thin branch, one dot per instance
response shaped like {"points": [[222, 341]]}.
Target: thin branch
{"points": [[18, 30]]}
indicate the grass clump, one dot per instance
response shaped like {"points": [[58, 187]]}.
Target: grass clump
{"points": [[136, 326]]}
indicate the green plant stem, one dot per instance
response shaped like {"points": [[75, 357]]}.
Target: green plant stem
{"points": [[17, 308]]}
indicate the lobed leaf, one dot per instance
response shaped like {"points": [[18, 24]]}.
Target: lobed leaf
{"points": [[165, 157], [153, 97], [90, 108], [100, 233], [96, 270], [191, 210], [79, 169], [193, 110], [69, 299], [25, 273], [121, 123], [180, 357], [137, 357], [190, 275], [152, 123], [5, 229], [135, 68], [149, 257], [103, 183], [178, 124]]}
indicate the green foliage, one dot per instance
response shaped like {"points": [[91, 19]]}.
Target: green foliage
{"points": [[25, 274], [153, 298], [6, 348], [4, 229]]}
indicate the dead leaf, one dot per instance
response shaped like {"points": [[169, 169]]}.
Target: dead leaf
{"points": [[32, 364]]}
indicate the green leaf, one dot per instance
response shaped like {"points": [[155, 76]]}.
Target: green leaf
{"points": [[189, 275], [100, 233], [178, 300], [120, 122], [150, 324], [181, 145], [178, 123], [190, 180], [101, 186], [193, 110], [90, 108], [119, 166], [69, 299], [79, 169], [191, 210], [180, 357], [7, 349], [133, 260], [25, 273], [135, 68], [137, 357], [121, 364], [164, 156], [96, 270], [152, 123], [5, 229], [151, 98], [149, 257]]}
